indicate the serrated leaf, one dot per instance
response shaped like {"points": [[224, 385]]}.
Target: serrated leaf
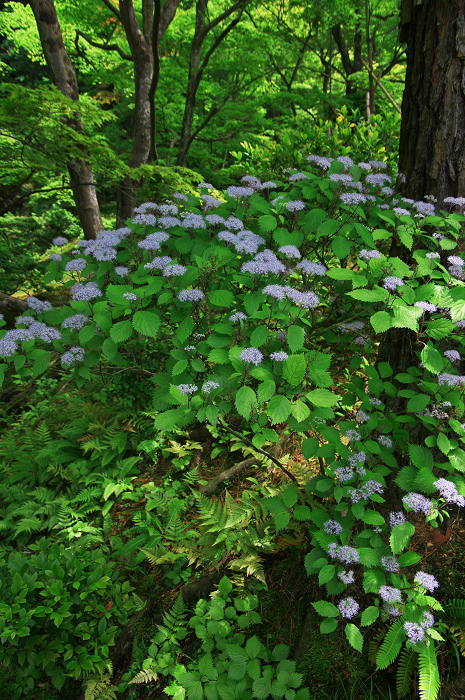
{"points": [[245, 399], [278, 409], [440, 328], [372, 580], [409, 559], [400, 537], [322, 397], [259, 336], [290, 496], [147, 323], [372, 295], [221, 297], [295, 337], [121, 331], [381, 321], [326, 574], [266, 390], [432, 359], [420, 456], [185, 329], [369, 615], [309, 447], [294, 369], [328, 625], [354, 636], [267, 222], [418, 403], [325, 609], [281, 520], [302, 513], [341, 247]]}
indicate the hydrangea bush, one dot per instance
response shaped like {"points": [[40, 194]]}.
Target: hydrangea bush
{"points": [[254, 303]]}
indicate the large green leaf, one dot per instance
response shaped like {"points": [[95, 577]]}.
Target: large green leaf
{"points": [[294, 369], [147, 323], [245, 399], [221, 297], [354, 636], [121, 331], [400, 537], [278, 409], [322, 397], [325, 609], [295, 337]]}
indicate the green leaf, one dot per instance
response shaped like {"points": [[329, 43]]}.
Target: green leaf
{"points": [[405, 236], [391, 645], [267, 222], [259, 336], [253, 647], [443, 443], [225, 587], [261, 688], [300, 410], [281, 520], [323, 397], [185, 329], [109, 348], [326, 574], [328, 625], [295, 337], [290, 496], [440, 328], [432, 359], [309, 447], [354, 636], [409, 559], [400, 537], [381, 321], [369, 615], [341, 247], [428, 681], [325, 609], [179, 367], [418, 403], [168, 419], [278, 409], [372, 580], [121, 331], [302, 513], [294, 369], [384, 369], [218, 356], [253, 669], [266, 390], [245, 399], [372, 295], [420, 456], [221, 297], [371, 517], [406, 317], [41, 361], [147, 323]]}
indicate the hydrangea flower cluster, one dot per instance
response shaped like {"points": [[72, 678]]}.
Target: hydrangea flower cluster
{"points": [[187, 389], [191, 295], [448, 491], [390, 564], [348, 608], [415, 633], [390, 594], [426, 580], [344, 553], [332, 527], [74, 354], [418, 503], [396, 518], [346, 577], [251, 356]]}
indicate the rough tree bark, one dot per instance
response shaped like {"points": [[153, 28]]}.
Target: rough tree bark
{"points": [[64, 78], [432, 135]]}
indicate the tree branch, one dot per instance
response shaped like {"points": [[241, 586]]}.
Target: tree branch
{"points": [[105, 47], [113, 9]]}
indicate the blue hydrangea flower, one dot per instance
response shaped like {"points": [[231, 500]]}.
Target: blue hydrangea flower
{"points": [[237, 192], [85, 292], [428, 620], [385, 441], [418, 503], [55, 256], [75, 322], [290, 251], [353, 198], [311, 268], [74, 354], [174, 270], [209, 386], [452, 355], [37, 305], [392, 283], [187, 389], [332, 527], [130, 296], [238, 316], [121, 270], [297, 205], [353, 435], [279, 356], [60, 240], [390, 564]]}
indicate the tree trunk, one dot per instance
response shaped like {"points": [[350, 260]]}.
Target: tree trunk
{"points": [[64, 78], [432, 135], [140, 44]]}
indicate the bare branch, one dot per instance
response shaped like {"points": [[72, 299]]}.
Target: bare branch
{"points": [[105, 47]]}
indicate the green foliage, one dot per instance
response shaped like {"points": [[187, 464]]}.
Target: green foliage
{"points": [[58, 611], [224, 664]]}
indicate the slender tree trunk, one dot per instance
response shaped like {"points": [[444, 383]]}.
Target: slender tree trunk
{"points": [[192, 81], [64, 78], [432, 135]]}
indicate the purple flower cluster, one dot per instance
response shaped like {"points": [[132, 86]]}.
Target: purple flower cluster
{"points": [[353, 435], [236, 192], [390, 594], [153, 241], [448, 491], [390, 564], [174, 270], [396, 518], [251, 355], [75, 322], [297, 205], [452, 355], [264, 263], [446, 379], [417, 503], [321, 161], [186, 389], [209, 386], [238, 316], [37, 305], [415, 633], [193, 221], [311, 268], [332, 527], [76, 265], [121, 270], [385, 441], [60, 240], [368, 489], [353, 198], [369, 254], [158, 263], [425, 306], [345, 554], [74, 354], [290, 251], [348, 608], [392, 283], [279, 356], [191, 295], [85, 292], [346, 577], [426, 580]]}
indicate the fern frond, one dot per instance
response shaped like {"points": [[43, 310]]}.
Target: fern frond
{"points": [[154, 555], [408, 660], [252, 564], [454, 609], [428, 681], [144, 676], [174, 528], [100, 689], [373, 647], [391, 646], [192, 476]]}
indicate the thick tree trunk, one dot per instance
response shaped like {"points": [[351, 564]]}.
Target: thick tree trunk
{"points": [[432, 135], [64, 78]]}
